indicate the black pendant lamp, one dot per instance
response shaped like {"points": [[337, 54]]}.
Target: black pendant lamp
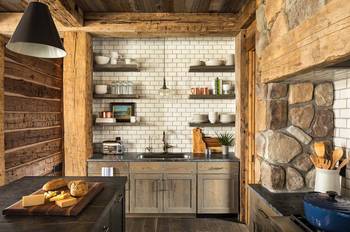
{"points": [[36, 34]]}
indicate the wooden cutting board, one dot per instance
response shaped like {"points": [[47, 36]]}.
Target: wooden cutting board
{"points": [[50, 208]]}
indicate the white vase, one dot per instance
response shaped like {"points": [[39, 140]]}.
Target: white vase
{"points": [[327, 180], [224, 149], [213, 117]]}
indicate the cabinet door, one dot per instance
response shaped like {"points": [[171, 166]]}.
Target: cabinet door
{"points": [[179, 193], [145, 194], [217, 193]]}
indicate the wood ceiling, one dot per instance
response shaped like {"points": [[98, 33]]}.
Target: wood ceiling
{"points": [[147, 6]]}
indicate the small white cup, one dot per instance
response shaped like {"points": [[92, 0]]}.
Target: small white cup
{"points": [[114, 60], [133, 119], [213, 117]]}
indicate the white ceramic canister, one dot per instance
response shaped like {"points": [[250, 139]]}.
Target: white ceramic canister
{"points": [[327, 180], [213, 117], [230, 59]]}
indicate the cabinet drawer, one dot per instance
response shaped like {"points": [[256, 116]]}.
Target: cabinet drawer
{"points": [[180, 167], [118, 167], [141, 167], [218, 167]]}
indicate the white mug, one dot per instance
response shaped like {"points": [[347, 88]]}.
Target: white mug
{"points": [[133, 119], [213, 117]]}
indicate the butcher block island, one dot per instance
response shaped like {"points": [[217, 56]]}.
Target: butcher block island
{"points": [[104, 212]]}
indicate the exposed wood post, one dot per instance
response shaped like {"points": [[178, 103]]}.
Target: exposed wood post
{"points": [[2, 110], [77, 102], [66, 11], [245, 112]]}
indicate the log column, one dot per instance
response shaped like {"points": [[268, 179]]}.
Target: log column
{"points": [[2, 109], [77, 102]]}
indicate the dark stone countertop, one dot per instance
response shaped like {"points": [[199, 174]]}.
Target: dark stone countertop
{"points": [[285, 204], [85, 221], [99, 157]]}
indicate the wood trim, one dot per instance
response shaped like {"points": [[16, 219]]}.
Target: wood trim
{"points": [[66, 11], [77, 102], [150, 24], [2, 112], [317, 42]]}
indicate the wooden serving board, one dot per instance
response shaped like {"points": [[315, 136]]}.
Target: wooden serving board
{"points": [[51, 209]]}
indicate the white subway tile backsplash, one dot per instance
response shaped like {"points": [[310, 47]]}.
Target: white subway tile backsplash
{"points": [[173, 113]]}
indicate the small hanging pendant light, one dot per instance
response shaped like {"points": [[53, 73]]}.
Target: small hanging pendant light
{"points": [[164, 90], [36, 34]]}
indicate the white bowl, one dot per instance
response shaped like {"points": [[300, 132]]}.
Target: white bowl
{"points": [[101, 89], [215, 62], [200, 118], [198, 63], [227, 118], [102, 59]]}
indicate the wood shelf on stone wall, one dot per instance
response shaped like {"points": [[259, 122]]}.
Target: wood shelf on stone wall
{"points": [[219, 68], [117, 124], [116, 68]]}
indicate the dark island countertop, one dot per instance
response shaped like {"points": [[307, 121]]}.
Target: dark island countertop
{"points": [[133, 157], [85, 221], [284, 204]]}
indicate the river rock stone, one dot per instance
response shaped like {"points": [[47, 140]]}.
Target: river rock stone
{"points": [[323, 125], [273, 177], [301, 116], [299, 134], [302, 162], [310, 178], [260, 144], [280, 148], [294, 180], [301, 92], [324, 94], [276, 114], [277, 90]]}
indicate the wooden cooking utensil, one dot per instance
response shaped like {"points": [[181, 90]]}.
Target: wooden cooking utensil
{"points": [[314, 160], [343, 163], [336, 156], [320, 149], [327, 164]]}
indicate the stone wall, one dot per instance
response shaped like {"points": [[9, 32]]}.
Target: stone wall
{"points": [[292, 117], [276, 17]]}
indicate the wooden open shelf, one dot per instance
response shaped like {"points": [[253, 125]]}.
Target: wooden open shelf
{"points": [[116, 68], [116, 96], [117, 124], [224, 96], [220, 68], [208, 124]]}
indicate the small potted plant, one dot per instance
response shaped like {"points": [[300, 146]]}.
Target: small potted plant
{"points": [[226, 140]]}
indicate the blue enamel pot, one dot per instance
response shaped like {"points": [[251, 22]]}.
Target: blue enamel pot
{"points": [[327, 211]]}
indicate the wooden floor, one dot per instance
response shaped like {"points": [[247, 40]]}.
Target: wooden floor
{"points": [[183, 225]]}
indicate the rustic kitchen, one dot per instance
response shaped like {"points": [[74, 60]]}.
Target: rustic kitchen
{"points": [[167, 115]]}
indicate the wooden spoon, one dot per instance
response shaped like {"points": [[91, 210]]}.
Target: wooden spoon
{"points": [[343, 163], [314, 160], [327, 164], [336, 156], [320, 149]]}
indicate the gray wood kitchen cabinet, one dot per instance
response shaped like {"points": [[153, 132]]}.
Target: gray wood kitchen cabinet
{"points": [[179, 193], [217, 187], [145, 193]]}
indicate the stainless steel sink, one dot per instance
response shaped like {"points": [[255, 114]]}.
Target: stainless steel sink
{"points": [[163, 156]]}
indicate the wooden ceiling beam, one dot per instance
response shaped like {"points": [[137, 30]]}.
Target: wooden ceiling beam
{"points": [[247, 14], [66, 11], [144, 24], [319, 41]]}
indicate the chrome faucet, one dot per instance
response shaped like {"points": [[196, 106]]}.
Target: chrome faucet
{"points": [[166, 145]]}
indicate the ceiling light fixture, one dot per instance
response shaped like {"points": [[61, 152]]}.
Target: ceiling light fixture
{"points": [[36, 34]]}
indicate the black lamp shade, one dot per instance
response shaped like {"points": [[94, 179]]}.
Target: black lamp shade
{"points": [[36, 34]]}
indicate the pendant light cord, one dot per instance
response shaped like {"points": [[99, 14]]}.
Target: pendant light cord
{"points": [[164, 81]]}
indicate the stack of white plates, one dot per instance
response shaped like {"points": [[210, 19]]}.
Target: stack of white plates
{"points": [[200, 118], [105, 120], [227, 118]]}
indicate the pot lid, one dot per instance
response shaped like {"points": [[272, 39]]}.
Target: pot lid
{"points": [[328, 200]]}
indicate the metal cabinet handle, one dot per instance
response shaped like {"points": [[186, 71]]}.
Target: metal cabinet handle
{"points": [[120, 197], [105, 228]]}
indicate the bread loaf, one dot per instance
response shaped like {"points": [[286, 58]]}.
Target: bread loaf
{"points": [[78, 188], [54, 184]]}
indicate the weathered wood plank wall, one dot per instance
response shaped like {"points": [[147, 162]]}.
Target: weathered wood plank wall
{"points": [[2, 146], [33, 119]]}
